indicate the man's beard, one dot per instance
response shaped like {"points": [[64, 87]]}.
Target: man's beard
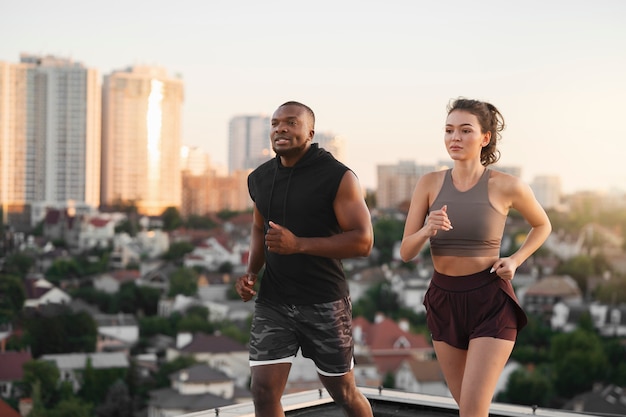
{"points": [[294, 151]]}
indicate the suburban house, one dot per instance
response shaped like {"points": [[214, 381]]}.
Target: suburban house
{"points": [[72, 365], [11, 371], [40, 291], [110, 282], [196, 388], [540, 297], [116, 332], [218, 351], [388, 343]]}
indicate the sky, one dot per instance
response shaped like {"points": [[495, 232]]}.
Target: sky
{"points": [[378, 73]]}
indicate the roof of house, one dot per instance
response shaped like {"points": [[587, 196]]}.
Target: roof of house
{"points": [[7, 411], [554, 285], [200, 373], [609, 400], [11, 364], [426, 371], [99, 360], [386, 334], [170, 399], [204, 343]]}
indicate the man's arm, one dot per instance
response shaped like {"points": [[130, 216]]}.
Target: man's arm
{"points": [[256, 258]]}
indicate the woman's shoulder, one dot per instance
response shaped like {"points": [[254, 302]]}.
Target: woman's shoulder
{"points": [[432, 179], [506, 183]]}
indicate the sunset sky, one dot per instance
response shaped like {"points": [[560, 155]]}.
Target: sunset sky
{"points": [[380, 73]]}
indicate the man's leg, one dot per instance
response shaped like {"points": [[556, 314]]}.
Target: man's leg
{"points": [[345, 393], [268, 385]]}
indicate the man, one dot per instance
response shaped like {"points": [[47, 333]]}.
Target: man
{"points": [[309, 213]]}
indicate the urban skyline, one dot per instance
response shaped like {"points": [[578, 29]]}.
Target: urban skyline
{"points": [[378, 74]]}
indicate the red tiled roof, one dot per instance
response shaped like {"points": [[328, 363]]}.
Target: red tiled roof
{"points": [[11, 366], [123, 275], [98, 222], [7, 411], [385, 334]]}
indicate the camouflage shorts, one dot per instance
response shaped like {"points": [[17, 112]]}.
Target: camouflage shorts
{"points": [[323, 332]]}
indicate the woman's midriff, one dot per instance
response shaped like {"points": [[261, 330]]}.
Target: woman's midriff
{"points": [[462, 265]]}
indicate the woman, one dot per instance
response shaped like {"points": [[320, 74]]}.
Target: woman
{"points": [[472, 311]]}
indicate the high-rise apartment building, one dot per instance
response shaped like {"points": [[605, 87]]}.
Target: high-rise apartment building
{"points": [[248, 142], [141, 139], [12, 136], [547, 189], [334, 144], [397, 182], [49, 132]]}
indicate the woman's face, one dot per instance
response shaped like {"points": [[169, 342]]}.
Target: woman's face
{"points": [[463, 136]]}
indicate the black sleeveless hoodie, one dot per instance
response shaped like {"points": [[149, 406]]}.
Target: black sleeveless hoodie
{"points": [[300, 198]]}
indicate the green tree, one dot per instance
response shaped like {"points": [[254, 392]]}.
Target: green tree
{"points": [[183, 281], [152, 326], [177, 251], [71, 407], [387, 232], [118, 402], [171, 219], [200, 222], [63, 269], [18, 264], [378, 298], [39, 407], [43, 375], [578, 361], [12, 297], [66, 332], [526, 387]]}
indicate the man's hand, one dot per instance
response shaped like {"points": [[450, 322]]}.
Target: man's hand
{"points": [[245, 286], [280, 240]]}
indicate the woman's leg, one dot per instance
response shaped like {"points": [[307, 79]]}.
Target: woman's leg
{"points": [[452, 361], [486, 358]]}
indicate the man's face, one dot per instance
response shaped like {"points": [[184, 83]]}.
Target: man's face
{"points": [[291, 131]]}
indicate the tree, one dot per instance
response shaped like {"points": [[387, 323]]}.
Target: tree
{"points": [[63, 269], [171, 219], [378, 298], [72, 407], [117, 403], [183, 281], [18, 264], [526, 387], [42, 375], [387, 232], [177, 251], [65, 332], [12, 298], [578, 361]]}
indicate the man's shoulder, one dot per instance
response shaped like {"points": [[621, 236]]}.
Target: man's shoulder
{"points": [[263, 168]]}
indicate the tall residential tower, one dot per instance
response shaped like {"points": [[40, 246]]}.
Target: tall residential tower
{"points": [[141, 139], [50, 132], [248, 142]]}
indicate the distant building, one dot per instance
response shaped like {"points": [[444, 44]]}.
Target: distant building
{"points": [[397, 182], [141, 139], [248, 142], [334, 144], [72, 365], [50, 140], [547, 190]]}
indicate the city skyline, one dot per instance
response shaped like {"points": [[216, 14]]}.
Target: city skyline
{"points": [[379, 75]]}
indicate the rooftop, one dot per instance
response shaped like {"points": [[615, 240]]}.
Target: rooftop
{"points": [[385, 403]]}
